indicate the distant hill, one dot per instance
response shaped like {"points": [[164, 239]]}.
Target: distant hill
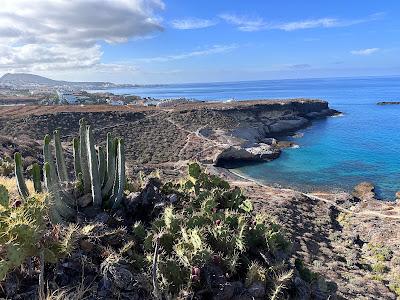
{"points": [[24, 80]]}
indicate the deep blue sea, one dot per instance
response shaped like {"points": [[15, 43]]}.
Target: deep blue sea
{"points": [[335, 153]]}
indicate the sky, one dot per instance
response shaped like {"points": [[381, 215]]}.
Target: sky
{"points": [[171, 41]]}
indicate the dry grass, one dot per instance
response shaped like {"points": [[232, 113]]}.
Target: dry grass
{"points": [[11, 186]]}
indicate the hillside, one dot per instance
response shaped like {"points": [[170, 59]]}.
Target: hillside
{"points": [[25, 80]]}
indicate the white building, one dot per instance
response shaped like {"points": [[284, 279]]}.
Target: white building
{"points": [[115, 102], [67, 97]]}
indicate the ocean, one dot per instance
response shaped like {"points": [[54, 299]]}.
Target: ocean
{"points": [[333, 154]]}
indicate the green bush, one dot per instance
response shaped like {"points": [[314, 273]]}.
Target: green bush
{"points": [[213, 226], [6, 166], [24, 232]]}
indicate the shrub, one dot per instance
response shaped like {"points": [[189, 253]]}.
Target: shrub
{"points": [[212, 230], [6, 166], [24, 232]]}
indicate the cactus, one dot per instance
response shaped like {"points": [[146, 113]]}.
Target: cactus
{"points": [[77, 157], [4, 196], [22, 188], [60, 210], [84, 155], [120, 183], [37, 184], [102, 165], [48, 157], [93, 169], [111, 159], [25, 233], [104, 174], [60, 160]]}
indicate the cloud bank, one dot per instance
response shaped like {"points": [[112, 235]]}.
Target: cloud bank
{"points": [[47, 35]]}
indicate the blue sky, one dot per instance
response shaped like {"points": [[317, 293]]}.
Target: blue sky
{"points": [[171, 41]]}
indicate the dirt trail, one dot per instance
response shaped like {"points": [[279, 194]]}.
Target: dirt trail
{"points": [[362, 213]]}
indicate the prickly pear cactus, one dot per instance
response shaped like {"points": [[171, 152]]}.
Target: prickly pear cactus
{"points": [[212, 233]]}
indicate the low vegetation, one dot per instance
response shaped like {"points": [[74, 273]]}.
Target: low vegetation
{"points": [[194, 239]]}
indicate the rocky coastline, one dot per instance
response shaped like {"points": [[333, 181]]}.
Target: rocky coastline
{"points": [[350, 239], [259, 141], [388, 103]]}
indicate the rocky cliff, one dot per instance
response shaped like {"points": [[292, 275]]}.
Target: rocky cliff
{"points": [[208, 132]]}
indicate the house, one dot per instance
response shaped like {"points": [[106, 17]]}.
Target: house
{"points": [[67, 97]]}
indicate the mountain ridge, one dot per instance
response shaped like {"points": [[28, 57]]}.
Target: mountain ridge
{"points": [[28, 80]]}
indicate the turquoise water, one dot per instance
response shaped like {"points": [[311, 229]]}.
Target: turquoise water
{"points": [[335, 153]]}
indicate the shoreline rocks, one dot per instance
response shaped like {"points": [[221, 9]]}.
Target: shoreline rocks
{"points": [[259, 130], [236, 154], [388, 103], [364, 191]]}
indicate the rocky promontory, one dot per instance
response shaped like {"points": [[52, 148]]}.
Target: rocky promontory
{"points": [[213, 132], [388, 103]]}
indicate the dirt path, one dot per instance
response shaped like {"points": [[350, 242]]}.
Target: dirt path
{"points": [[362, 213]]}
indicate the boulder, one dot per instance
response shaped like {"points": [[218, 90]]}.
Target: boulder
{"points": [[256, 153], [398, 196], [364, 191], [268, 141]]}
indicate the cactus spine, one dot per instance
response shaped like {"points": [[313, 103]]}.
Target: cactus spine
{"points": [[22, 188], [60, 160], [120, 184], [84, 156], [36, 178], [93, 169], [77, 157]]}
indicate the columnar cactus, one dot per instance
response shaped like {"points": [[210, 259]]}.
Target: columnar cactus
{"points": [[77, 157], [22, 189], [120, 183], [102, 165], [4, 196], [60, 160], [98, 173], [111, 156], [84, 155], [93, 169], [48, 157], [37, 184], [60, 210]]}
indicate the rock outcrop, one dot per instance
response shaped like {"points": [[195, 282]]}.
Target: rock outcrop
{"points": [[237, 154], [364, 191]]}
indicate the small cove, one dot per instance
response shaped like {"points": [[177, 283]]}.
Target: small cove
{"points": [[334, 153]]}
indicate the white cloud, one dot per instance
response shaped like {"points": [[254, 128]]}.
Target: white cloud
{"points": [[365, 52], [192, 23], [202, 52], [245, 23], [44, 35]]}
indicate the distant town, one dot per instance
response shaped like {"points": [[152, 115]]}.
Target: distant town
{"points": [[29, 89]]}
